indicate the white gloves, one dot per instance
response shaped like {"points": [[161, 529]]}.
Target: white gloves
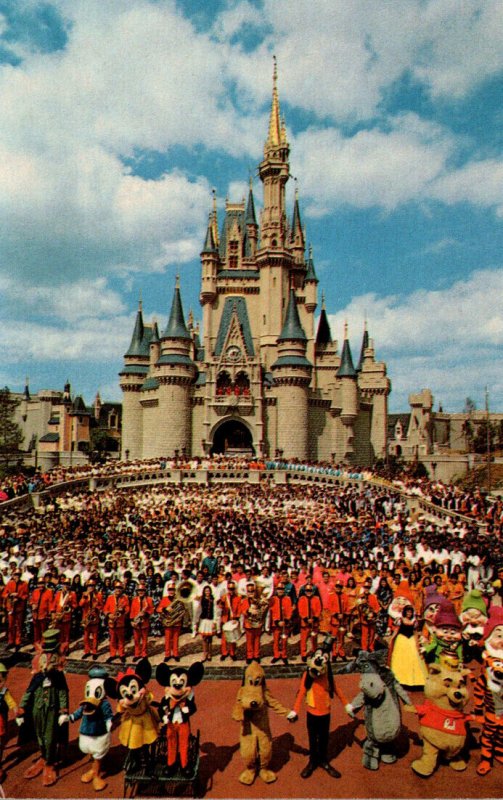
{"points": [[108, 725], [19, 721], [292, 716], [63, 718], [348, 708]]}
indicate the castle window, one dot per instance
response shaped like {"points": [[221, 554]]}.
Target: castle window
{"points": [[224, 383], [233, 254]]}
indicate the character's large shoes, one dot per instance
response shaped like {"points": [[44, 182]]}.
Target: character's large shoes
{"points": [[484, 767], [88, 775], [35, 770], [50, 775], [330, 770], [247, 777], [308, 770], [98, 783], [267, 775]]}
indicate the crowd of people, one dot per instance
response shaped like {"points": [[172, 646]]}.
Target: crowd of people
{"points": [[217, 562]]}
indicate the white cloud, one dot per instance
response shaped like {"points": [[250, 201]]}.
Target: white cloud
{"points": [[67, 303], [372, 168], [448, 340]]}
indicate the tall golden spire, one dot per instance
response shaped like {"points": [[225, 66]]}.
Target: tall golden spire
{"points": [[214, 218], [277, 134]]}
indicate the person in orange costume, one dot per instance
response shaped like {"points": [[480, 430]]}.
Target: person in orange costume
{"points": [[230, 604], [141, 609], [281, 616], [116, 609], [365, 615], [15, 596], [252, 612], [63, 605], [309, 610], [91, 603], [173, 621], [40, 602], [338, 608]]}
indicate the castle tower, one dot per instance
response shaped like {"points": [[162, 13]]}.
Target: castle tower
{"points": [[292, 376], [349, 395], [134, 372], [175, 374]]}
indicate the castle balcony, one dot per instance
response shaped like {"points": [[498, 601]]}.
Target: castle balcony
{"points": [[242, 404]]}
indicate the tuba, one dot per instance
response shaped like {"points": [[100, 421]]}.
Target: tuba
{"points": [[173, 615], [186, 591]]}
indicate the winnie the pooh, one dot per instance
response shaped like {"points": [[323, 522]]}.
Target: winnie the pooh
{"points": [[251, 709], [443, 721]]}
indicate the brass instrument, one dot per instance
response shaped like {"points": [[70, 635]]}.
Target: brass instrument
{"points": [[92, 617], [185, 591], [173, 615], [58, 616], [114, 618]]}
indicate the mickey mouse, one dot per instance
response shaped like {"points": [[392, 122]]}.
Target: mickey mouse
{"points": [[176, 708], [139, 726]]}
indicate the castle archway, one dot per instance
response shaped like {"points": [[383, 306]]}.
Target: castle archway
{"points": [[232, 438]]}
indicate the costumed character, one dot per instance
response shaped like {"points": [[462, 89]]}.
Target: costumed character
{"points": [[317, 687], [446, 641], [493, 633], [96, 715], [251, 709], [443, 723], [139, 726], [41, 706], [473, 618], [488, 694], [176, 709], [7, 703], [432, 602], [380, 695], [404, 658]]}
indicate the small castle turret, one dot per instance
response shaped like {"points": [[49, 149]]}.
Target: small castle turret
{"points": [[292, 376], [347, 376]]}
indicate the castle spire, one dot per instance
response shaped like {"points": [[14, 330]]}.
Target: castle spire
{"points": [[292, 328], [176, 327], [346, 369], [365, 344], [275, 127], [135, 348]]}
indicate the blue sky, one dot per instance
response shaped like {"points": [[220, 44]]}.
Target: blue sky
{"points": [[119, 118]]}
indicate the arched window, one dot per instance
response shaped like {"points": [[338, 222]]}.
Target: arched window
{"points": [[224, 382], [242, 383]]}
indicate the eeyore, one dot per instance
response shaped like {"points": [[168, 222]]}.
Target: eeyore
{"points": [[379, 695]]}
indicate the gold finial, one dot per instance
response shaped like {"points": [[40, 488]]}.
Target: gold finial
{"points": [[345, 329], [323, 300], [310, 251], [177, 281], [250, 182], [296, 189], [140, 301], [214, 218]]}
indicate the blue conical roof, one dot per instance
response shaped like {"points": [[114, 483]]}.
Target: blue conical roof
{"points": [[209, 244], [135, 348], [365, 344], [311, 274], [346, 369], [176, 327], [324, 334], [292, 328], [250, 218]]}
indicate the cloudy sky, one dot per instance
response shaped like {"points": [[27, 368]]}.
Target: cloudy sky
{"points": [[118, 117]]}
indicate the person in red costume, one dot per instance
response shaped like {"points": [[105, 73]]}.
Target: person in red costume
{"points": [[63, 605], [15, 596], [309, 610], [281, 618], [116, 609], [40, 602]]}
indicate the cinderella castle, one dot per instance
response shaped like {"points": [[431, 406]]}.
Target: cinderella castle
{"points": [[261, 378]]}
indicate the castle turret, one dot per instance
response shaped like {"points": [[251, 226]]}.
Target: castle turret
{"points": [[297, 240], [132, 376], [251, 235], [175, 374], [349, 396], [292, 376]]}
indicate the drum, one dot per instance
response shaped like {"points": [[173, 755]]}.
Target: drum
{"points": [[230, 630]]}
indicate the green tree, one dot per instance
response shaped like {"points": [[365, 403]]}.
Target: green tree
{"points": [[11, 435]]}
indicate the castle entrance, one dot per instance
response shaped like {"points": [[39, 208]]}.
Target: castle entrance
{"points": [[232, 438]]}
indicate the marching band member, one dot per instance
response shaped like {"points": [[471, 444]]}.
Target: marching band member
{"points": [[365, 616], [309, 609], [141, 609], [281, 610], [230, 604], [207, 621], [338, 610], [40, 602], [15, 596], [63, 605], [252, 611], [91, 604], [116, 609], [171, 611]]}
